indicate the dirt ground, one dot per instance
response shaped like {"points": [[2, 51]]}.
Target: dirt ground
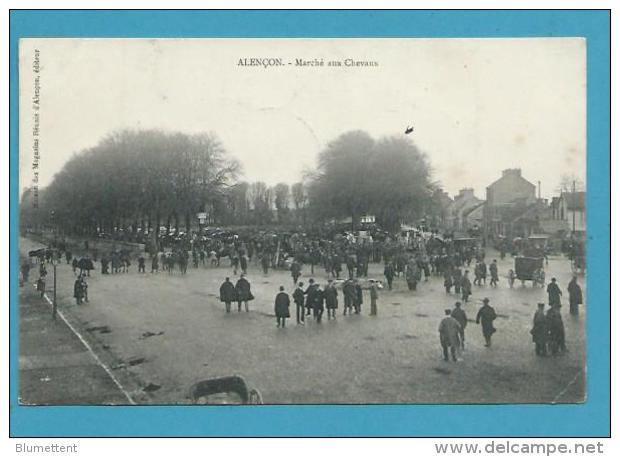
{"points": [[170, 331]]}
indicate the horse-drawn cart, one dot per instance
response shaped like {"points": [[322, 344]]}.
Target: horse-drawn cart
{"points": [[530, 269]]}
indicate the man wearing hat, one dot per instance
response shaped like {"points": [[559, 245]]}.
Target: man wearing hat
{"points": [[449, 335], [575, 296], [310, 295], [298, 298], [348, 290], [282, 303], [227, 293], [331, 299], [554, 292], [461, 318], [243, 293], [540, 330], [486, 316]]}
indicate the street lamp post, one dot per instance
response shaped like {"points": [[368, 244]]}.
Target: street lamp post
{"points": [[54, 302]]}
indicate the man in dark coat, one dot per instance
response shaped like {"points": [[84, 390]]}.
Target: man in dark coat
{"points": [[389, 273], [244, 294], [465, 286], [575, 297], [554, 292], [348, 290], [540, 330], [310, 292], [318, 304], [359, 298], [331, 299], [282, 304], [227, 293], [494, 273], [243, 262], [449, 329], [461, 318], [486, 316], [298, 298], [557, 341], [295, 270]]}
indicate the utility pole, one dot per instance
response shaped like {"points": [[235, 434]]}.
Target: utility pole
{"points": [[574, 208], [54, 302]]}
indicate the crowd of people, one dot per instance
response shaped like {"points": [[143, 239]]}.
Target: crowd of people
{"points": [[345, 259]]}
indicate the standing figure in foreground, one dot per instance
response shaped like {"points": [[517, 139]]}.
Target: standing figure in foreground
{"points": [[449, 329], [540, 330], [298, 298], [461, 318], [494, 273], [575, 297], [282, 304], [227, 293], [557, 341], [244, 294], [348, 290], [310, 292], [554, 292], [331, 299], [318, 305], [359, 298], [486, 316]]}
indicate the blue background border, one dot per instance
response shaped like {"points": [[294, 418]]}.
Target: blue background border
{"points": [[589, 419]]}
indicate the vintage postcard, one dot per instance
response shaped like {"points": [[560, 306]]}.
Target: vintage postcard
{"points": [[302, 221]]}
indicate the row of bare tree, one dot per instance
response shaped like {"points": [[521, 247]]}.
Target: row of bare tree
{"points": [[150, 178]]}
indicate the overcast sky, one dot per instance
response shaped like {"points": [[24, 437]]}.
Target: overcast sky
{"points": [[477, 106]]}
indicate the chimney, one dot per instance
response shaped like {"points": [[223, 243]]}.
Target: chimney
{"points": [[511, 172], [467, 192]]}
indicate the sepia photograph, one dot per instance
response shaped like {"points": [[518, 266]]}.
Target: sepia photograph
{"points": [[302, 221]]}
